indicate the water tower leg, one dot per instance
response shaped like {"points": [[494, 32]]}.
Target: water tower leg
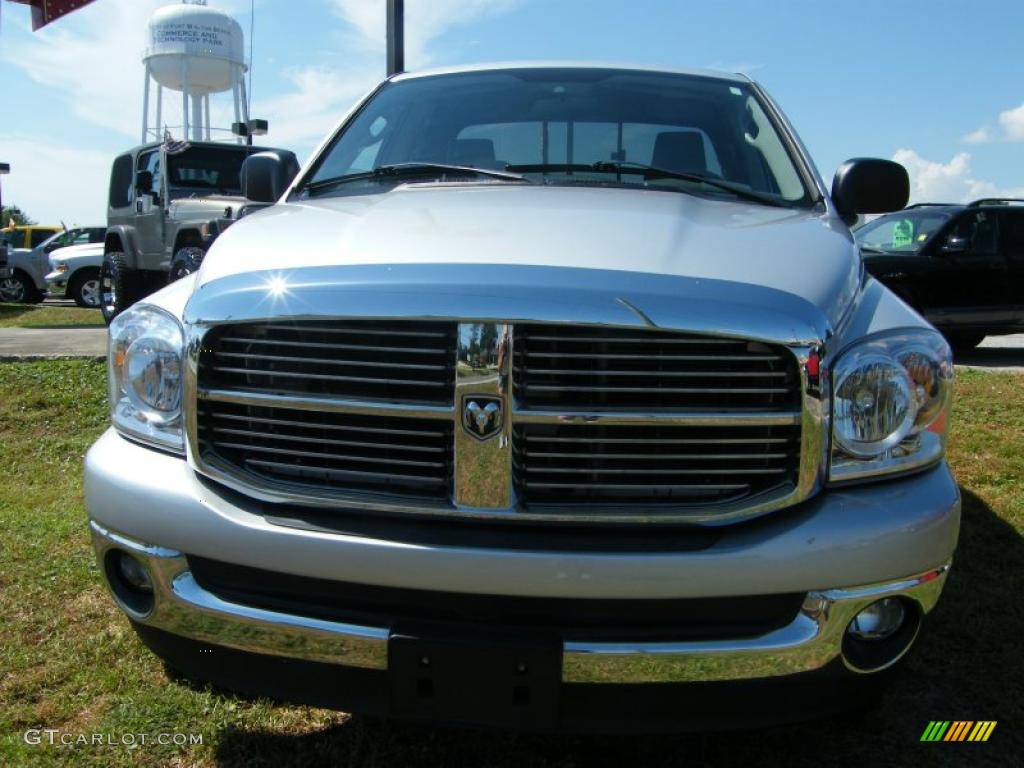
{"points": [[184, 99], [245, 101], [238, 109], [197, 117], [206, 109], [145, 105], [159, 112]]}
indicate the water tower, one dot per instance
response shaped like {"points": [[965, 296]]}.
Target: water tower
{"points": [[196, 51]]}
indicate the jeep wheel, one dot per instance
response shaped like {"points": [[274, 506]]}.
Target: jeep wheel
{"points": [[185, 262], [120, 286], [19, 289], [85, 288]]}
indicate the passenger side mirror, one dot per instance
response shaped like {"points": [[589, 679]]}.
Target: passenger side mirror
{"points": [[870, 185], [266, 175]]}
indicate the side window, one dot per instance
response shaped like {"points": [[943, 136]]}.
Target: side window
{"points": [[40, 236], [150, 161], [979, 231], [1013, 232], [122, 179]]}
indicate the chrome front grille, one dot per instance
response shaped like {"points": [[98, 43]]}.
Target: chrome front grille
{"points": [[392, 361], [613, 368], [651, 465], [594, 423], [331, 451]]}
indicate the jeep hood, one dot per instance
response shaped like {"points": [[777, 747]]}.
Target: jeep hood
{"points": [[735, 247]]}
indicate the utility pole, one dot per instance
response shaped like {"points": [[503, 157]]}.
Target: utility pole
{"points": [[396, 37], [5, 168]]}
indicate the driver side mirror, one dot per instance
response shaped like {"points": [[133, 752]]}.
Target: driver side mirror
{"points": [[266, 175], [870, 185]]}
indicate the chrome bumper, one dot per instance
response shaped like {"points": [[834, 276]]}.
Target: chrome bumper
{"points": [[812, 640]]}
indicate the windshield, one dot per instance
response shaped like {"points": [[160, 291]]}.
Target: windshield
{"points": [[552, 125], [205, 169], [903, 232]]}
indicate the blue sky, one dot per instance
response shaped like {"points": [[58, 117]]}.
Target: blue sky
{"points": [[936, 84]]}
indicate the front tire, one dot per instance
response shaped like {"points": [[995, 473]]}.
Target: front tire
{"points": [[185, 262], [19, 289], [120, 286], [85, 288]]}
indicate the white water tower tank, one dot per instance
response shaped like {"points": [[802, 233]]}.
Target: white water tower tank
{"points": [[197, 51]]}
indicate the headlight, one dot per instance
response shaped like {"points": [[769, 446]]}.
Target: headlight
{"points": [[145, 360], [890, 405], [60, 266]]}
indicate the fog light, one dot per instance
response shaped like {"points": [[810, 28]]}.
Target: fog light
{"points": [[130, 582], [134, 574], [880, 634], [879, 620]]}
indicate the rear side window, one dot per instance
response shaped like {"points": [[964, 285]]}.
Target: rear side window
{"points": [[121, 182], [1013, 223], [39, 236]]}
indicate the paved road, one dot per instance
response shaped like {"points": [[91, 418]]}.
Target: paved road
{"points": [[41, 343], [996, 353]]}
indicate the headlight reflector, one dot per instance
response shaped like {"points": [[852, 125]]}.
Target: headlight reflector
{"points": [[874, 405], [891, 397], [145, 364]]}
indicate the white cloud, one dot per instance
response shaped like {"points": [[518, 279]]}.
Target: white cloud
{"points": [[319, 98], [64, 183], [425, 20], [981, 136], [1012, 121], [951, 182]]}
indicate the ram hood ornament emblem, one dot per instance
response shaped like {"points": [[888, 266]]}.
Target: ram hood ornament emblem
{"points": [[481, 416]]}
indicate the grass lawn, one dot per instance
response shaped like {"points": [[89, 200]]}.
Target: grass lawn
{"points": [[69, 661], [46, 316]]}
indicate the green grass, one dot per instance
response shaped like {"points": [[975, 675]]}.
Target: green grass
{"points": [[68, 659], [44, 316]]}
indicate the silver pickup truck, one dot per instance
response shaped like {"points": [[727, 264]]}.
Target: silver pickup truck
{"points": [[549, 396]]}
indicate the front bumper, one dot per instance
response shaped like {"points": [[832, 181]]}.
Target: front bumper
{"points": [[56, 282], [810, 642], [6, 272], [842, 550]]}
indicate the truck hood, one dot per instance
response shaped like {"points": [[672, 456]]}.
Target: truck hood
{"points": [[806, 254], [77, 251]]}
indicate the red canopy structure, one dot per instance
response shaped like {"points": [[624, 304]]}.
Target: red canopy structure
{"points": [[45, 11]]}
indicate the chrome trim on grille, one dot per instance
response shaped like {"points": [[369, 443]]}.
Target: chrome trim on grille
{"points": [[501, 503], [483, 465]]}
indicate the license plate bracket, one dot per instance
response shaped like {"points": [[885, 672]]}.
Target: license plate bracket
{"points": [[479, 678]]}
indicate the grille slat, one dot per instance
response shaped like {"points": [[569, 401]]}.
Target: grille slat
{"points": [[592, 465], [275, 434], [392, 361], [613, 369]]}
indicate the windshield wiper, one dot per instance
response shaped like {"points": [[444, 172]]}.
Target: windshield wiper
{"points": [[411, 169], [651, 172]]}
